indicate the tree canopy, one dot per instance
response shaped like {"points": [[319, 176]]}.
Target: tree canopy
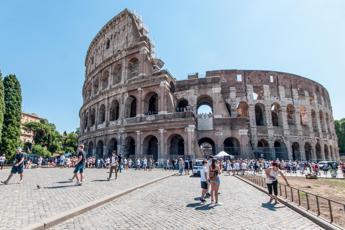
{"points": [[340, 131]]}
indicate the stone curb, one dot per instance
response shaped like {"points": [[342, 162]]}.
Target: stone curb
{"points": [[62, 217], [317, 220]]}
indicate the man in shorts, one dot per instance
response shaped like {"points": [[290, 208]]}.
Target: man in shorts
{"points": [[18, 167], [204, 179], [114, 161], [80, 165]]}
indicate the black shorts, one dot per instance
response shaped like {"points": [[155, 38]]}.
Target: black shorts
{"points": [[204, 185]]}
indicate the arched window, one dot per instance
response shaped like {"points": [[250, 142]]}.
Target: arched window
{"points": [[133, 68], [318, 152], [290, 113], [327, 156], [86, 118], [117, 73], [99, 149], [296, 155], [263, 149], [95, 86], [107, 45], [281, 150], [151, 103], [93, 117], [112, 145], [176, 145], [327, 124], [114, 110], [276, 115], [232, 146], [308, 151], [131, 107], [182, 105], [129, 149], [101, 114], [90, 149], [207, 146], [104, 80], [242, 109], [150, 146], [205, 105], [314, 121], [303, 116], [322, 122], [260, 114]]}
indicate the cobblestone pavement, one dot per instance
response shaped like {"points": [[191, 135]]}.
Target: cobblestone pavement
{"points": [[173, 204], [23, 204]]}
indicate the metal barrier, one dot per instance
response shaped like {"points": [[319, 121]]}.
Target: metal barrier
{"points": [[330, 210]]}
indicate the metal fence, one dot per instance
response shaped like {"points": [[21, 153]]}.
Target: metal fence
{"points": [[329, 210]]}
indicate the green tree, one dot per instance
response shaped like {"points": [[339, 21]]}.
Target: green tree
{"points": [[340, 131], [70, 142], [40, 150], [12, 116], [2, 104]]}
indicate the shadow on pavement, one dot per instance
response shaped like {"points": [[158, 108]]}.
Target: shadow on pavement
{"points": [[200, 206], [60, 186], [270, 206], [64, 182], [99, 180]]}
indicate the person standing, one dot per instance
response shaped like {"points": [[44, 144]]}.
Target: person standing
{"points": [[272, 180], [214, 172], [114, 163], [180, 166], [80, 165], [204, 179], [186, 167], [119, 162], [2, 161], [18, 167]]}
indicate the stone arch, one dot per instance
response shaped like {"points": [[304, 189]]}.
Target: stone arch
{"points": [[182, 105], [151, 103], [206, 102], [242, 109], [101, 114], [322, 121], [93, 117], [281, 150], [99, 149], [318, 152], [95, 85], [263, 149], [105, 79], [303, 116], [276, 115], [308, 151], [260, 116], [296, 154], [232, 146], [117, 74], [90, 149], [207, 146], [176, 145], [290, 113], [129, 148], [85, 120], [133, 68], [314, 121], [114, 110], [112, 145], [150, 146], [325, 149], [131, 107]]}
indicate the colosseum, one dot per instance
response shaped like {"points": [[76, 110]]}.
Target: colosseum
{"points": [[135, 106]]}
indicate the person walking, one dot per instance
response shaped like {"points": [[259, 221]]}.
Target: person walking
{"points": [[80, 165], [18, 167], [272, 180], [214, 172], [119, 161], [180, 166], [186, 167], [204, 179], [114, 161], [2, 161]]}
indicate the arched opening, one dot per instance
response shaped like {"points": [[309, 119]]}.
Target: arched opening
{"points": [[101, 114], [204, 105], [290, 113], [105, 79], [114, 110], [176, 146], [322, 122], [308, 151], [314, 121], [327, 156], [303, 116], [150, 146], [93, 117], [318, 152], [281, 150], [129, 148], [296, 155], [133, 68], [232, 146], [276, 115], [95, 86], [131, 107], [327, 124], [207, 146], [182, 105], [263, 150], [117, 73], [90, 149], [151, 104], [86, 118], [112, 145], [228, 108], [260, 114], [99, 149], [242, 110]]}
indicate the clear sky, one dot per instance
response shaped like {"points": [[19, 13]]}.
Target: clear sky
{"points": [[45, 42]]}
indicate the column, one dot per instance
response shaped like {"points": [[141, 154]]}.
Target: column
{"points": [[140, 112], [161, 155], [138, 144], [190, 137]]}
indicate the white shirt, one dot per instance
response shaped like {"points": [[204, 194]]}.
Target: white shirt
{"points": [[2, 159], [202, 174]]}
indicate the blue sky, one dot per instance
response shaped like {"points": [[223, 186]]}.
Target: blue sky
{"points": [[44, 43]]}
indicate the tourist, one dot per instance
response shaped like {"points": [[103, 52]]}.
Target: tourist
{"points": [[325, 168], [2, 161], [150, 164], [204, 179], [145, 163], [214, 172], [39, 161], [236, 168], [180, 166], [130, 163], [114, 163], [107, 162], [138, 164], [228, 167], [119, 160], [80, 165], [18, 167], [272, 181], [243, 167], [186, 167]]}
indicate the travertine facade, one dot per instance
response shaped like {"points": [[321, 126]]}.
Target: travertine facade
{"points": [[133, 105], [27, 136]]}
